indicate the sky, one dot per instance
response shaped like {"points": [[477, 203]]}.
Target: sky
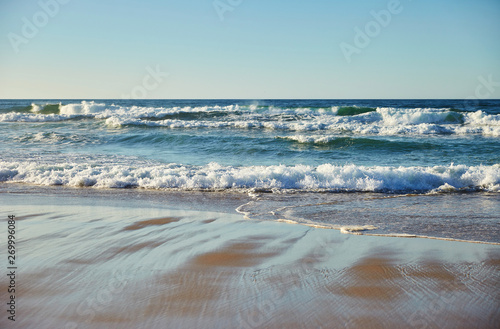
{"points": [[249, 49]]}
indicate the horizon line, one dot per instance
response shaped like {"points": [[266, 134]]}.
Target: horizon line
{"points": [[247, 99]]}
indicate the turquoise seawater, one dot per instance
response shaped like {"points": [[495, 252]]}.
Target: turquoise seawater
{"points": [[390, 147]]}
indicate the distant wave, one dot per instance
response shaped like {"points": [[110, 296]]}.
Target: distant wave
{"points": [[354, 110], [340, 142], [326, 177], [340, 120]]}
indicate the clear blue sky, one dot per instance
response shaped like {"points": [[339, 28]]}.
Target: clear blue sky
{"points": [[261, 49]]}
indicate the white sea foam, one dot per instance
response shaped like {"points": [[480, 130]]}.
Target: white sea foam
{"points": [[28, 117], [35, 108], [383, 121], [84, 108], [288, 221], [214, 176], [356, 229], [102, 111], [306, 139]]}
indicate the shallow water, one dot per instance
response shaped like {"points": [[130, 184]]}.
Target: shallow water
{"points": [[458, 216], [449, 216]]}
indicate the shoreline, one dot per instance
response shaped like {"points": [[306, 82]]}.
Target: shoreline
{"points": [[233, 202]]}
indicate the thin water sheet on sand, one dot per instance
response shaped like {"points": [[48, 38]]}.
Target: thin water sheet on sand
{"points": [[106, 262]]}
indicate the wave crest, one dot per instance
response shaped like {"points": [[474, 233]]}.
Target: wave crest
{"points": [[326, 177], [353, 120]]}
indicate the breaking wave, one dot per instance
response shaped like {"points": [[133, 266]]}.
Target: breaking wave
{"points": [[326, 177], [352, 119]]}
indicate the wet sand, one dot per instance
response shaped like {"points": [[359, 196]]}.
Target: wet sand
{"points": [[104, 262]]}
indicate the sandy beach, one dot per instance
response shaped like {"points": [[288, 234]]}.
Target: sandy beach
{"points": [[106, 260]]}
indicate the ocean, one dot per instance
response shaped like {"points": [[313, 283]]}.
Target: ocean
{"points": [[406, 168]]}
